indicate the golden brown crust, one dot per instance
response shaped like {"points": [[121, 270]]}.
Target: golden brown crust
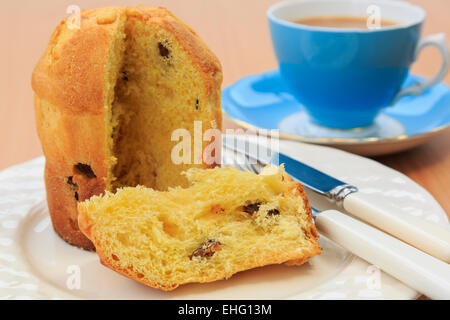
{"points": [[65, 141], [61, 200], [72, 71], [69, 85], [307, 208], [68, 82], [300, 190]]}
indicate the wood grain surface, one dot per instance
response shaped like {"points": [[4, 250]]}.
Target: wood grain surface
{"points": [[237, 32]]}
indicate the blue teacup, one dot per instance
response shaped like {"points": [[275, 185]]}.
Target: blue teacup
{"points": [[344, 76]]}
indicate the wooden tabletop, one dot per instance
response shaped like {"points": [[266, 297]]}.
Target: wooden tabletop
{"points": [[237, 32]]}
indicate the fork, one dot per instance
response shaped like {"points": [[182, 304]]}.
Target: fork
{"points": [[420, 271]]}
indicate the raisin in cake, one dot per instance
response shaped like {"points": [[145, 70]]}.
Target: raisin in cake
{"points": [[226, 221], [108, 96]]}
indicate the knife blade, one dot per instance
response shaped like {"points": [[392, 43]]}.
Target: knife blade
{"points": [[311, 178]]}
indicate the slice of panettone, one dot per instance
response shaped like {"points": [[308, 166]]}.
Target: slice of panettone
{"points": [[226, 221]]}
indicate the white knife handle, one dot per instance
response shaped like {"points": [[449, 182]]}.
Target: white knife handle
{"points": [[424, 235], [411, 266]]}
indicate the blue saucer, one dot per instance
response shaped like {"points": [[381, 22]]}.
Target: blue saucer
{"points": [[263, 102]]}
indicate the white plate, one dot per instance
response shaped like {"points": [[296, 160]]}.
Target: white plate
{"points": [[35, 263]]}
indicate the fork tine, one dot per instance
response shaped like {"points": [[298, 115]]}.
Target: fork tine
{"points": [[258, 166], [233, 158], [249, 165]]}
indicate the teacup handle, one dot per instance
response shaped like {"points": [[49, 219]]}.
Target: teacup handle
{"points": [[439, 41]]}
